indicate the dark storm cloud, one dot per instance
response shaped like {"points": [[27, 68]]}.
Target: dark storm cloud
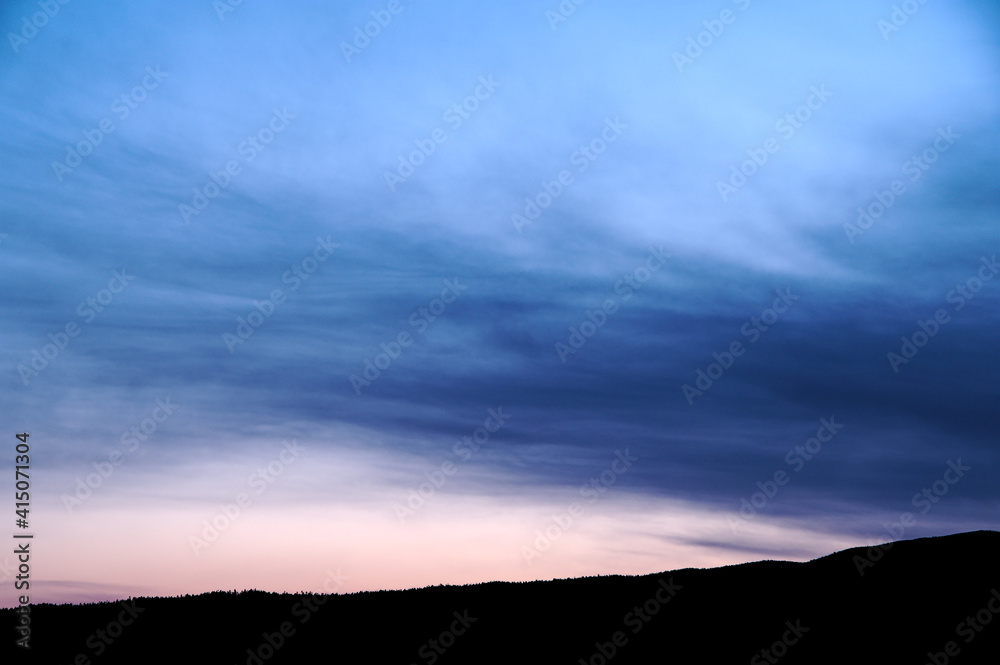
{"points": [[496, 344]]}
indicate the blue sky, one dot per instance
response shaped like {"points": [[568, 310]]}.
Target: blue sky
{"points": [[628, 150]]}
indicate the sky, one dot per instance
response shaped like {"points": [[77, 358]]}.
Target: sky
{"points": [[400, 294]]}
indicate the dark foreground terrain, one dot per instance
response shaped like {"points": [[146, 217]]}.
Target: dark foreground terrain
{"points": [[932, 600]]}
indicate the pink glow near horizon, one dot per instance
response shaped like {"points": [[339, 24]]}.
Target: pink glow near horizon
{"points": [[111, 551]]}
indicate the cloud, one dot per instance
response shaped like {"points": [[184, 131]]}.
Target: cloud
{"points": [[322, 179]]}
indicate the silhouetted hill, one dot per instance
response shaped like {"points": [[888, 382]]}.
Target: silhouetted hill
{"points": [[913, 600]]}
